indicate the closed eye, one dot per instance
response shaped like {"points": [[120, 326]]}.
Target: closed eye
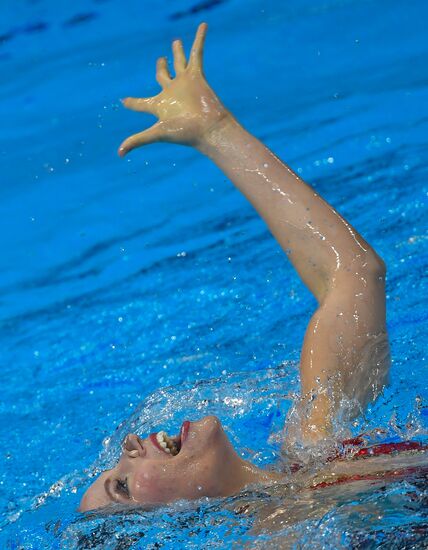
{"points": [[117, 489], [122, 488]]}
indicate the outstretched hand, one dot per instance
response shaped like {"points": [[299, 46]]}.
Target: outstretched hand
{"points": [[187, 108]]}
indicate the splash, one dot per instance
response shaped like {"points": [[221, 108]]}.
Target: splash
{"points": [[253, 408]]}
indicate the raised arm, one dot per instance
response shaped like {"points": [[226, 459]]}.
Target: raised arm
{"points": [[339, 267]]}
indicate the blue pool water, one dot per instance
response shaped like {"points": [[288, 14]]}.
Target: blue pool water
{"points": [[122, 278]]}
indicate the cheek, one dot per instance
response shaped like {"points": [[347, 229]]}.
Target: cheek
{"points": [[162, 483], [154, 484]]}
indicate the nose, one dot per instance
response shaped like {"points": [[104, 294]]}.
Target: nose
{"points": [[133, 446]]}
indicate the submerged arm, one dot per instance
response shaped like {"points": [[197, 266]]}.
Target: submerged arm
{"points": [[342, 271]]}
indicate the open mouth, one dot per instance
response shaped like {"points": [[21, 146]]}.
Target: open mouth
{"points": [[171, 445]]}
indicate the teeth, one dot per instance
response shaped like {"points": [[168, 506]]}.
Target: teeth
{"points": [[167, 443]]}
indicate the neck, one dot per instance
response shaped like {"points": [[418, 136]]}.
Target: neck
{"points": [[249, 473]]}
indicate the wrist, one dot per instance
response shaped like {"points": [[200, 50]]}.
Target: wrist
{"points": [[215, 135]]}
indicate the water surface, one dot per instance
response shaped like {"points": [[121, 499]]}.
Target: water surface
{"points": [[123, 277]]}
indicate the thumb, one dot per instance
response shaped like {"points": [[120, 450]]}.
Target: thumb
{"points": [[150, 135]]}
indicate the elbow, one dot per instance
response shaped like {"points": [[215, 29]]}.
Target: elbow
{"points": [[370, 266], [376, 265]]}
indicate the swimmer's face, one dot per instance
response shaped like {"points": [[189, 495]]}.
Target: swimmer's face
{"points": [[148, 473]]}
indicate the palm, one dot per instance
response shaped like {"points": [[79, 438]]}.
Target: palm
{"points": [[186, 107]]}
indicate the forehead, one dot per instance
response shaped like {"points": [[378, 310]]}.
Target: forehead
{"points": [[95, 496]]}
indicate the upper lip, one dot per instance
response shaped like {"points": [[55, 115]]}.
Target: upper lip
{"points": [[155, 442]]}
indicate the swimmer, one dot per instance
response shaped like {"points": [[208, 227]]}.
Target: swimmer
{"points": [[345, 350]]}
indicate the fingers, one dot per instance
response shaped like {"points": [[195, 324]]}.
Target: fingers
{"points": [[142, 138], [179, 57], [162, 73], [196, 54], [141, 104]]}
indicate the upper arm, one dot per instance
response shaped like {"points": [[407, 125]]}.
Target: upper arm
{"points": [[345, 349]]}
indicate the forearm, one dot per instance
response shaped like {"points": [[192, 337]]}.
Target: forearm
{"points": [[318, 241]]}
